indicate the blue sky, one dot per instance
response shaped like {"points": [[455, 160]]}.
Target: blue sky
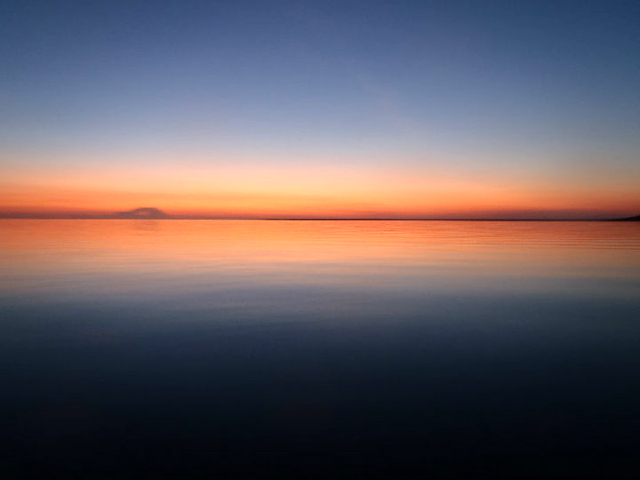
{"points": [[540, 94]]}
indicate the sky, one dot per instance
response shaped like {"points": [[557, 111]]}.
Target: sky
{"points": [[323, 109]]}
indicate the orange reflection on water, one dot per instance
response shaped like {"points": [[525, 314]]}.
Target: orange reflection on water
{"points": [[581, 247]]}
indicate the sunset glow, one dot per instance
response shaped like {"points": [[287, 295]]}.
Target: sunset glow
{"points": [[385, 111], [247, 191]]}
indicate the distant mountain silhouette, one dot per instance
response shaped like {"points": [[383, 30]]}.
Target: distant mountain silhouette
{"points": [[145, 212], [629, 219]]}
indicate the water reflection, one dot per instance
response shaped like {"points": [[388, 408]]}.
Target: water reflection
{"points": [[178, 349], [151, 257]]}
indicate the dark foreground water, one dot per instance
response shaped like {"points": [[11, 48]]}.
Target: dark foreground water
{"points": [[285, 349]]}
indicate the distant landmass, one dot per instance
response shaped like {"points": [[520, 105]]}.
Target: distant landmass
{"points": [[628, 219], [152, 213], [145, 212]]}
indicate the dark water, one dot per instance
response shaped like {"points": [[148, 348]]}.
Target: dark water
{"points": [[181, 349]]}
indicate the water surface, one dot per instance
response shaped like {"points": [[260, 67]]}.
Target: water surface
{"points": [[168, 348]]}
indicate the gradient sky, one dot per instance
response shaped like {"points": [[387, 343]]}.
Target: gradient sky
{"points": [[285, 108]]}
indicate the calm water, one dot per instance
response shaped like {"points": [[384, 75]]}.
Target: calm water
{"points": [[173, 349]]}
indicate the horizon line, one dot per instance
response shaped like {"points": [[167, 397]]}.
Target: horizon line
{"points": [[25, 216]]}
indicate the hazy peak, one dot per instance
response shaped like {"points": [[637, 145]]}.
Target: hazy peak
{"points": [[144, 212]]}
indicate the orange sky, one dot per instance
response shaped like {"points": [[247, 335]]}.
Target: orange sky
{"points": [[331, 191]]}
